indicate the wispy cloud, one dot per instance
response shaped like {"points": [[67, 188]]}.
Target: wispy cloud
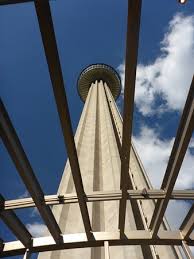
{"points": [[37, 229], [170, 75], [166, 80], [179, 208], [24, 195], [154, 153]]}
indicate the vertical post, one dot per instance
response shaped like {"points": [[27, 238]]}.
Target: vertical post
{"points": [[106, 250], [27, 254]]}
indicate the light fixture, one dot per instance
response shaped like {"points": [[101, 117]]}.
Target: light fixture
{"points": [[182, 1]]}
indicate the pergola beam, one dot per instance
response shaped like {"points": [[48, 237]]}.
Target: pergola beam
{"points": [[1, 244], [187, 251], [106, 250], [8, 2], [27, 254], [16, 151], [188, 224], [15, 225], [70, 241], [179, 149], [50, 46], [99, 196], [133, 27]]}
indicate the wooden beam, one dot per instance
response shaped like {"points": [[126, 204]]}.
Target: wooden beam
{"points": [[14, 224], [70, 241], [9, 2], [50, 46], [27, 254], [106, 250], [133, 27], [99, 196], [1, 244], [187, 250], [18, 156], [188, 224], [179, 149]]}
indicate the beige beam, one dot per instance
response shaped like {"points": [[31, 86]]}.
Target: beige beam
{"points": [[51, 52], [179, 149], [188, 224], [18, 156], [137, 237], [133, 27], [106, 250], [187, 251], [27, 254], [99, 196]]}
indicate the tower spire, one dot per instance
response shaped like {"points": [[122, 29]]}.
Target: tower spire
{"points": [[98, 142]]}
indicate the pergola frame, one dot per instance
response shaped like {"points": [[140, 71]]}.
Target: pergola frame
{"points": [[26, 244]]}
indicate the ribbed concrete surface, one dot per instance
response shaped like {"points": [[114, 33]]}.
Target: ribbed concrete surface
{"points": [[100, 168]]}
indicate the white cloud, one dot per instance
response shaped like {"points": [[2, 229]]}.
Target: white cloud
{"points": [[34, 212], [192, 249], [180, 208], [168, 78], [170, 75], [154, 153], [37, 229], [24, 195]]}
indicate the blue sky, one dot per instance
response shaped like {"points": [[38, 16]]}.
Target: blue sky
{"points": [[90, 32]]}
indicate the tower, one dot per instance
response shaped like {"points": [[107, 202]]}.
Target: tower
{"points": [[98, 142], [107, 209]]}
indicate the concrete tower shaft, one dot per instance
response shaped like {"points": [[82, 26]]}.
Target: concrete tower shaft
{"points": [[98, 143]]}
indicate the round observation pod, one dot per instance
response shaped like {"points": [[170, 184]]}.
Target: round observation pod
{"points": [[99, 72]]}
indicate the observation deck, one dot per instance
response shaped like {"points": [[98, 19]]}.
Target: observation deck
{"points": [[99, 72]]}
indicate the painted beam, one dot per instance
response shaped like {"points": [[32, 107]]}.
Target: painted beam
{"points": [[15, 224], [188, 224], [99, 196], [187, 251], [179, 149], [133, 27], [106, 250], [137, 237], [18, 156], [50, 46]]}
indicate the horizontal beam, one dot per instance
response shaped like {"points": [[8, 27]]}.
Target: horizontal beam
{"points": [[79, 240], [18, 156], [178, 152], [15, 225], [50, 46], [133, 28], [99, 196], [188, 224]]}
